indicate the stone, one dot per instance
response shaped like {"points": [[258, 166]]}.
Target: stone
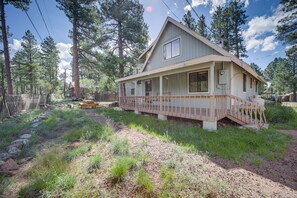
{"points": [[1, 163], [20, 141], [21, 161], [25, 136], [43, 117], [9, 165], [210, 126], [33, 131], [13, 150], [35, 124], [4, 156]]}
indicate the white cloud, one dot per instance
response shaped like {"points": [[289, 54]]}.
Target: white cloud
{"points": [[214, 4], [64, 49], [261, 30], [175, 4], [16, 44], [269, 43]]}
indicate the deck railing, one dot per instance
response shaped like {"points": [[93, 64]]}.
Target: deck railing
{"points": [[200, 107]]}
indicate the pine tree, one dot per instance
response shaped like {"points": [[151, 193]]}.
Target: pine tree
{"points": [[257, 69], [287, 27], [125, 31], [27, 62], [238, 18], [79, 14], [270, 69], [189, 21], [49, 62], [201, 27], [217, 26], [21, 4]]}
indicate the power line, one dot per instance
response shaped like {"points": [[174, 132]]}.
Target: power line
{"points": [[171, 10], [199, 17], [49, 20], [42, 17], [30, 20]]}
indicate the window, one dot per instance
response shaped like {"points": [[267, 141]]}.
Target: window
{"points": [[244, 82], [198, 82], [132, 91], [148, 87], [256, 87], [171, 49], [251, 84]]}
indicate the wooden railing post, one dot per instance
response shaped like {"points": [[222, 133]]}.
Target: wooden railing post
{"points": [[212, 108]]}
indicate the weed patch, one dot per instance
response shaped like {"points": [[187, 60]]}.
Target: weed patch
{"points": [[144, 181], [95, 163], [74, 153], [120, 147]]}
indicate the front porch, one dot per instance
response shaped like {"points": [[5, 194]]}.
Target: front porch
{"points": [[209, 109]]}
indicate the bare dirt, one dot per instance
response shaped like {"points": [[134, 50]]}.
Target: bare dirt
{"points": [[275, 179]]}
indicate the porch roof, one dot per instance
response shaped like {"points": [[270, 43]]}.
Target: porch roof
{"points": [[178, 66]]}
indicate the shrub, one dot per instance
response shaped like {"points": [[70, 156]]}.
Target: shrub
{"points": [[74, 153], [280, 114], [144, 181], [122, 167], [95, 162], [120, 146]]}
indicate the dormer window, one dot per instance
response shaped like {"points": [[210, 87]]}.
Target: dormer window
{"points": [[171, 49]]}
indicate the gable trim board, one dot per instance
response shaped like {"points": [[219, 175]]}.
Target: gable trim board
{"points": [[174, 68], [217, 48]]}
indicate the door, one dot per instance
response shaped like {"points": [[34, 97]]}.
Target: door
{"points": [[148, 87]]}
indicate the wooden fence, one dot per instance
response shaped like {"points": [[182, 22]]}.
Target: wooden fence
{"points": [[14, 104], [108, 96]]}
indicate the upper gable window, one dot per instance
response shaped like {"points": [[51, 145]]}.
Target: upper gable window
{"points": [[171, 49]]}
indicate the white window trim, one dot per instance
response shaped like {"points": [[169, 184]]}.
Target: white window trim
{"points": [[169, 41], [188, 83]]}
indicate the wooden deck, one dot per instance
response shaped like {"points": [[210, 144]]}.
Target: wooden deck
{"points": [[208, 108]]}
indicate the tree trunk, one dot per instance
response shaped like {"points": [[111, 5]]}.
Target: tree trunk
{"points": [[75, 58], [120, 44], [6, 49]]}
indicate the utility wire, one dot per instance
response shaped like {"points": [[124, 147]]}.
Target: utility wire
{"points": [[199, 16], [30, 20], [49, 20], [42, 17], [170, 10]]}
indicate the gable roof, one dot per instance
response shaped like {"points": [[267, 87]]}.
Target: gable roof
{"points": [[214, 46]]}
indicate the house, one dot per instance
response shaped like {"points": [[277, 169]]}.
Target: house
{"points": [[185, 75]]}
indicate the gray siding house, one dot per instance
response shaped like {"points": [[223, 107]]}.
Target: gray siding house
{"points": [[185, 75]]}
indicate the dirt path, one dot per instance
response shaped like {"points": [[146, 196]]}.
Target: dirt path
{"points": [[241, 182]]}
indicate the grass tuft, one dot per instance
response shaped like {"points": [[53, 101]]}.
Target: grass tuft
{"points": [[144, 181], [122, 167], [74, 153], [120, 146], [95, 163]]}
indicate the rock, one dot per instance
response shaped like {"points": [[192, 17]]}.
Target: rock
{"points": [[1, 163], [25, 160], [25, 131], [35, 124], [33, 131], [4, 156], [9, 165], [20, 141], [43, 117], [13, 150], [25, 136], [70, 106]]}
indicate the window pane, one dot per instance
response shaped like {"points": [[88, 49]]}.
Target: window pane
{"points": [[193, 82], [167, 49], [175, 48], [244, 82], [204, 81]]}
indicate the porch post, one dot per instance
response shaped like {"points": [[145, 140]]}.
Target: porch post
{"points": [[120, 94], [135, 99], [160, 115], [211, 123]]}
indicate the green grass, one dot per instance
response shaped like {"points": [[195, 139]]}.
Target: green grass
{"points": [[121, 167], [95, 162], [74, 153], [144, 181], [120, 146], [281, 117], [49, 176], [11, 128], [229, 143]]}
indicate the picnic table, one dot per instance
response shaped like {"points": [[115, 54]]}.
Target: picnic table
{"points": [[89, 104]]}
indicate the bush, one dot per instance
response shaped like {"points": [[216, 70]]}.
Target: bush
{"points": [[120, 146], [144, 181], [74, 153], [95, 163], [122, 167], [280, 114]]}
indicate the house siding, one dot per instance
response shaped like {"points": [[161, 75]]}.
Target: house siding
{"points": [[190, 48]]}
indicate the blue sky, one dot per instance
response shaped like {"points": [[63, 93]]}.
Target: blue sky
{"points": [[258, 32]]}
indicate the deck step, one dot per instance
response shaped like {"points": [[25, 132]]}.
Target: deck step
{"points": [[238, 121]]}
